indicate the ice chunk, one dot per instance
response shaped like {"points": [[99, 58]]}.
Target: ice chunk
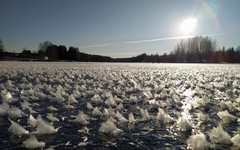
{"points": [[15, 128], [4, 107], [44, 127], [51, 117], [89, 106], [117, 100], [198, 142], [226, 117], [154, 104], [97, 112], [147, 93], [236, 141], [84, 130], [133, 99], [109, 127], [120, 117], [219, 136], [120, 107], [32, 142], [131, 118], [68, 106], [72, 100], [110, 102], [108, 112], [184, 124], [7, 97], [82, 118], [15, 112], [52, 108], [145, 115], [164, 118], [32, 121], [96, 99], [203, 118]]}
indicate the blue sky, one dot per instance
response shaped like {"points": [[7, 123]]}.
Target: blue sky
{"points": [[109, 27]]}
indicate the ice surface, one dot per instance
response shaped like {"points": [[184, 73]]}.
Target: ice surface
{"points": [[101, 97]]}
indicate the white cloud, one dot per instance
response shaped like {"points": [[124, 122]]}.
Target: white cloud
{"points": [[168, 38]]}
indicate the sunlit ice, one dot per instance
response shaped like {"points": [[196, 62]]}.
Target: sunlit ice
{"points": [[188, 25]]}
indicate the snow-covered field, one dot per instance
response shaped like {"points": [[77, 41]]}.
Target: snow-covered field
{"points": [[119, 106]]}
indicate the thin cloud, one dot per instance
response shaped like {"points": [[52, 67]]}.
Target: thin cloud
{"points": [[93, 46], [169, 38]]}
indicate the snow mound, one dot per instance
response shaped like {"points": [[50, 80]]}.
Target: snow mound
{"points": [[203, 118], [121, 118], [184, 124], [32, 142], [131, 118], [198, 142], [236, 141], [51, 117], [32, 121], [226, 117], [109, 127], [72, 100], [219, 136], [145, 115], [82, 118], [163, 118], [44, 127], [52, 108], [15, 128], [15, 112], [97, 112]]}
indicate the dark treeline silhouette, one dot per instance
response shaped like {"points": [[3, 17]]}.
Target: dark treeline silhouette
{"points": [[198, 49], [54, 52], [193, 50]]}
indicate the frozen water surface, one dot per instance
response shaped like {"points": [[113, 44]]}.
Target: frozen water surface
{"points": [[63, 105]]}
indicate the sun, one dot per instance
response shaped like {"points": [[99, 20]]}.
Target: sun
{"points": [[188, 25]]}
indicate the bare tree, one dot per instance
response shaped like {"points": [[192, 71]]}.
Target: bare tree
{"points": [[1, 46], [42, 48]]}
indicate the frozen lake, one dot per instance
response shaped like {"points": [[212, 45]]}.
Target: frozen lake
{"points": [[63, 105]]}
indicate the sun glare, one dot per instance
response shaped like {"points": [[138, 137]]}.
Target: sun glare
{"points": [[188, 25]]}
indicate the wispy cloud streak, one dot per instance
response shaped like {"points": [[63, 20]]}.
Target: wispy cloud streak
{"points": [[93, 46], [168, 38]]}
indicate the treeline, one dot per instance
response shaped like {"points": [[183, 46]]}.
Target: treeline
{"points": [[193, 50], [198, 49], [203, 49], [60, 52]]}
